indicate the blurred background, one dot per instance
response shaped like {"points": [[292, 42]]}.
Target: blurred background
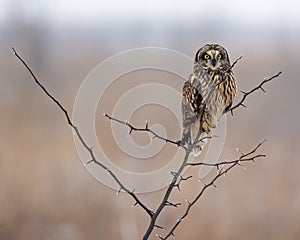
{"points": [[46, 192]]}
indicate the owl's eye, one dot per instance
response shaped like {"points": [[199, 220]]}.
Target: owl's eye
{"points": [[206, 56], [220, 56]]}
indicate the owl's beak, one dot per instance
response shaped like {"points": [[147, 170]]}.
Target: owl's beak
{"points": [[214, 62]]}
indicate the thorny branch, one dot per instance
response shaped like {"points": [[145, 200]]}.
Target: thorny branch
{"points": [[83, 142], [221, 172], [246, 94], [178, 178], [222, 167], [227, 70], [145, 129], [235, 62]]}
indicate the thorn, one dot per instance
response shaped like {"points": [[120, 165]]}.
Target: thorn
{"points": [[188, 202], [92, 160], [215, 186], [185, 178], [160, 227], [262, 89], [146, 127], [263, 141], [118, 192], [219, 169], [239, 151], [13, 49], [178, 187], [243, 105], [130, 131]]}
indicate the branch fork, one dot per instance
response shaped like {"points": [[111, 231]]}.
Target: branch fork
{"points": [[222, 168]]}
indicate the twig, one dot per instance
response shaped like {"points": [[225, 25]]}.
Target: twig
{"points": [[89, 149], [232, 164], [223, 167], [172, 185], [145, 129], [235, 62], [241, 159], [246, 94], [181, 179], [227, 70]]}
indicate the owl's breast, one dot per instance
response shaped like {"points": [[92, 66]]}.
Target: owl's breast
{"points": [[218, 92]]}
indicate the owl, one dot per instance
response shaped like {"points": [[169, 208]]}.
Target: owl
{"points": [[207, 94]]}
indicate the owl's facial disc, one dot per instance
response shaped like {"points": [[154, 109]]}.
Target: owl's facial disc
{"points": [[212, 58]]}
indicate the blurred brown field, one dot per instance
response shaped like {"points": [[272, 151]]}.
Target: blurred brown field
{"points": [[46, 192]]}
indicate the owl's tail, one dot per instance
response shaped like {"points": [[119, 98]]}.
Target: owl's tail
{"points": [[189, 136]]}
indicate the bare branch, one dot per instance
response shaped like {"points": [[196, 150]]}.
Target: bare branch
{"points": [[246, 94], [145, 129], [172, 204], [89, 149], [226, 162], [235, 62], [222, 167], [172, 185], [232, 164], [181, 179]]}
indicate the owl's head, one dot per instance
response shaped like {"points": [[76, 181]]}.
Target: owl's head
{"points": [[212, 57]]}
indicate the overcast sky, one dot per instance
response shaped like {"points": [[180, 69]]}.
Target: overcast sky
{"points": [[91, 11]]}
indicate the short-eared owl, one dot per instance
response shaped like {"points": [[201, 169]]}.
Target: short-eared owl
{"points": [[207, 94]]}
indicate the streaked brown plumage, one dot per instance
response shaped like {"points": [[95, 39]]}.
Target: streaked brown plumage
{"points": [[207, 94]]}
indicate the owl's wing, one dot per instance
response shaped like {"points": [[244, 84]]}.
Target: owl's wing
{"points": [[190, 108]]}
